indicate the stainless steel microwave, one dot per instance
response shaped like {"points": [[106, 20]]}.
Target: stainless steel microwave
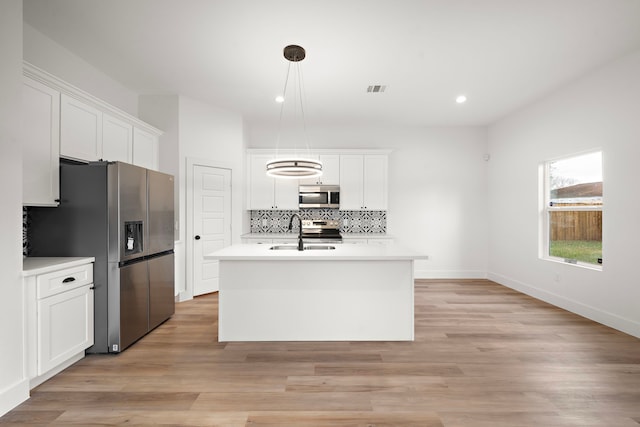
{"points": [[319, 196]]}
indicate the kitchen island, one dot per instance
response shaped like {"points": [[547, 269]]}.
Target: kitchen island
{"points": [[351, 292]]}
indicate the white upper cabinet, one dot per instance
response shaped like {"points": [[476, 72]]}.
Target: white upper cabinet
{"points": [[40, 138], [145, 149], [351, 182], [269, 193], [330, 171], [80, 130], [61, 120], [363, 182], [261, 187], [375, 182], [286, 194], [361, 175], [117, 140]]}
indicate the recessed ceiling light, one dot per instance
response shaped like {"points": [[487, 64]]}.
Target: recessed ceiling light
{"points": [[279, 99], [461, 99]]}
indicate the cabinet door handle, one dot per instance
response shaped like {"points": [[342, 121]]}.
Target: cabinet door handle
{"points": [[69, 279], [93, 287], [197, 237]]}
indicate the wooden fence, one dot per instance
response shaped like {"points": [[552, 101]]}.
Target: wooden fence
{"points": [[576, 225]]}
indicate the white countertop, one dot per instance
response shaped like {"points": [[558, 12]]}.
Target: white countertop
{"points": [[352, 252], [366, 236], [32, 266], [270, 235], [295, 236]]}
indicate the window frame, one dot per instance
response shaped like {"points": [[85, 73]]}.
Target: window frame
{"points": [[546, 210]]}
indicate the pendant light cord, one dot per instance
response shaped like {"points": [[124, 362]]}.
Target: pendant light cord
{"points": [[284, 96], [304, 120], [300, 87]]}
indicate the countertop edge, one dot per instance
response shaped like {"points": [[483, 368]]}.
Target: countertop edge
{"points": [[355, 252], [319, 258], [32, 266], [345, 236]]}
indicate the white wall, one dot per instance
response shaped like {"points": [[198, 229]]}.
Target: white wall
{"points": [[14, 388], [600, 110], [52, 57], [194, 130], [208, 132], [437, 190], [161, 111]]}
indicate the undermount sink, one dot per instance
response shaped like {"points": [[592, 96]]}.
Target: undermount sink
{"points": [[306, 248]]}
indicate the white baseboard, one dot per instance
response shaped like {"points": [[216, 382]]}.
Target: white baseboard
{"points": [[13, 395], [449, 274], [612, 320], [34, 382], [183, 296]]}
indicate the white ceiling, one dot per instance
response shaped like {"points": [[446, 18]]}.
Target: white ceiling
{"points": [[503, 54]]}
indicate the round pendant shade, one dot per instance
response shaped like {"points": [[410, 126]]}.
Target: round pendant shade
{"points": [[294, 168]]}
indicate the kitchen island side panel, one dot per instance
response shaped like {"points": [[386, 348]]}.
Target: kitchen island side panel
{"points": [[313, 300]]}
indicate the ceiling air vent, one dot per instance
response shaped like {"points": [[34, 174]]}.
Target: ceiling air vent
{"points": [[376, 88]]}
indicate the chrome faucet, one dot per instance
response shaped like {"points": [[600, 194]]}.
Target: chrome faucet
{"points": [[300, 244]]}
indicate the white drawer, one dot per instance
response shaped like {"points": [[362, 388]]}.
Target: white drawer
{"points": [[63, 280]]}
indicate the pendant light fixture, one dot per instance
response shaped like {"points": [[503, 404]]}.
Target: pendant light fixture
{"points": [[294, 167]]}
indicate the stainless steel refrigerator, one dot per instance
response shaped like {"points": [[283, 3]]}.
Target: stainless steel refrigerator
{"points": [[123, 216]]}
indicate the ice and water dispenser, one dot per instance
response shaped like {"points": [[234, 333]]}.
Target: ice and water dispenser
{"points": [[133, 232]]}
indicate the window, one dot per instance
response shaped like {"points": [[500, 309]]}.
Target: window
{"points": [[572, 215]]}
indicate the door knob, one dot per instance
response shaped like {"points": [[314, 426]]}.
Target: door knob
{"points": [[197, 237]]}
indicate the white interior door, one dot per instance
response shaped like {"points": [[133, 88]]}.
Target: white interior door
{"points": [[211, 223]]}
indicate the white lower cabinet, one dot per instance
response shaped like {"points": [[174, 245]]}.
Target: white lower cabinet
{"points": [[65, 327], [59, 311]]}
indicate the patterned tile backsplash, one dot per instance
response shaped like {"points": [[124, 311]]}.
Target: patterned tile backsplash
{"points": [[267, 221], [278, 221], [25, 224]]}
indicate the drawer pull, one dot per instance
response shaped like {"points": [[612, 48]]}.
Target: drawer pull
{"points": [[69, 279]]}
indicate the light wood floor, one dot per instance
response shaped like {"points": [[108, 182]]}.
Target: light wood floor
{"points": [[484, 355]]}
